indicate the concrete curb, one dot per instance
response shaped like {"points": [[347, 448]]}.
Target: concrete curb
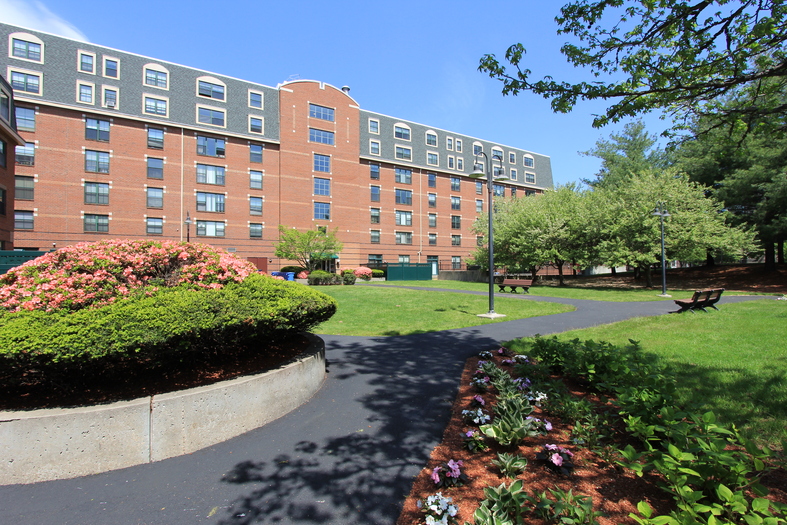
{"points": [[48, 444]]}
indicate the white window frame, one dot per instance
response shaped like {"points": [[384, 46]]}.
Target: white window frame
{"points": [[255, 117], [223, 111], [498, 155], [511, 157], [370, 126], [104, 67], [512, 173], [460, 164], [159, 98], [449, 143], [436, 157], [408, 148], [210, 80], [262, 99], [431, 133], [80, 53], [373, 143], [451, 162], [158, 69], [117, 97], [524, 161], [22, 71], [403, 126], [27, 37], [92, 87]]}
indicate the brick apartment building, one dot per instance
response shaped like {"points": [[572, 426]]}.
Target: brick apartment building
{"points": [[118, 145], [9, 139]]}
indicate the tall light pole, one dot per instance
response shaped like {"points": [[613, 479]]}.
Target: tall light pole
{"points": [[478, 172], [187, 222], [661, 212]]}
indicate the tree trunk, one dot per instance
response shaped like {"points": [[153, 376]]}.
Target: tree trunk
{"points": [[533, 272], [770, 255], [780, 251], [561, 280], [614, 271], [648, 276], [709, 260]]}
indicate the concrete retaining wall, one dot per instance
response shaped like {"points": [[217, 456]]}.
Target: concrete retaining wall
{"points": [[48, 444]]}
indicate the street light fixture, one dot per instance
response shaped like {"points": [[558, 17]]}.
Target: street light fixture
{"points": [[661, 211], [478, 173], [187, 222]]}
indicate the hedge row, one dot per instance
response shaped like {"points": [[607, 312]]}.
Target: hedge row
{"points": [[169, 322]]}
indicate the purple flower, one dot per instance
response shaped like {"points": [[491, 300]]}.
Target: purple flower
{"points": [[480, 400], [566, 452], [551, 447], [557, 459], [469, 433], [436, 474], [547, 425], [454, 466]]}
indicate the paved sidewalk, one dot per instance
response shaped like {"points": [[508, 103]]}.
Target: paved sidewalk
{"points": [[348, 456]]}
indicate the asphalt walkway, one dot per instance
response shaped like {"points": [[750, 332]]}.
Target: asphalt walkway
{"points": [[348, 456]]}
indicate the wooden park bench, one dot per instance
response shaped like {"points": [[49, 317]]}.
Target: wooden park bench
{"points": [[513, 284], [700, 300]]}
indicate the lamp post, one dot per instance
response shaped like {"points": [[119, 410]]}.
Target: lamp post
{"points": [[187, 222], [661, 212], [478, 172]]}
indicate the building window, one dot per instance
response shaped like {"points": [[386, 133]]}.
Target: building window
{"points": [[96, 161], [455, 183], [498, 172], [432, 199], [210, 116], [255, 101], [374, 215], [431, 139], [85, 93], [23, 220], [456, 240], [155, 138], [375, 259], [26, 50], [111, 68], [401, 132], [530, 177], [3, 154], [255, 125], [477, 148], [458, 146], [479, 240], [322, 163], [456, 261], [511, 157], [374, 236], [432, 180], [404, 259], [25, 119], [404, 238], [210, 202], [375, 193], [210, 90], [529, 162], [155, 168], [403, 176], [110, 98], [156, 78], [450, 163], [374, 171], [27, 82], [322, 211], [432, 239], [322, 186], [255, 205], [499, 190], [374, 126], [479, 188], [210, 147], [449, 143], [155, 106], [460, 164], [456, 222], [96, 223], [497, 154], [432, 159], [255, 153], [24, 188], [404, 218], [155, 197], [433, 220], [479, 205], [456, 203], [374, 147], [154, 225], [321, 112], [207, 174], [255, 230], [513, 174], [255, 179], [321, 136], [403, 153], [210, 228], [96, 193], [513, 192], [404, 197], [96, 129]]}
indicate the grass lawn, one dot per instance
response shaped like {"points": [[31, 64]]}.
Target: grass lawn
{"points": [[366, 310], [567, 292], [733, 361]]}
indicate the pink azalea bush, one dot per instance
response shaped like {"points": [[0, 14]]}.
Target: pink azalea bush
{"points": [[362, 272], [95, 274]]}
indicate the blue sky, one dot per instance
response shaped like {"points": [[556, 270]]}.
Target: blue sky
{"points": [[415, 60]]}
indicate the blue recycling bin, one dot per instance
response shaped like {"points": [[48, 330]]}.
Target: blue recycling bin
{"points": [[277, 274], [290, 276]]}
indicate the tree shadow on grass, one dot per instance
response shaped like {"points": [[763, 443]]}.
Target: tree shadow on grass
{"points": [[358, 466]]}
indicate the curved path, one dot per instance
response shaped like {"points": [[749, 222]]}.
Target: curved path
{"points": [[348, 456]]}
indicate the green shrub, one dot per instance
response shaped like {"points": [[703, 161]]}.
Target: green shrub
{"points": [[175, 321], [318, 277], [294, 269], [378, 273], [349, 278]]}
